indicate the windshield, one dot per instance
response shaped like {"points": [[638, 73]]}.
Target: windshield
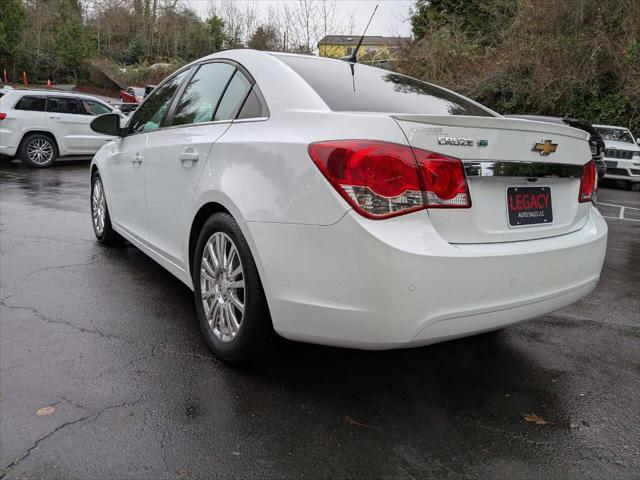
{"points": [[347, 87], [615, 134]]}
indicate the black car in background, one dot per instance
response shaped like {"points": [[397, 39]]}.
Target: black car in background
{"points": [[595, 140]]}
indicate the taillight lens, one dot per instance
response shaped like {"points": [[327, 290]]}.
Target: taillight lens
{"points": [[3, 116], [444, 179], [378, 179], [588, 183], [382, 180]]}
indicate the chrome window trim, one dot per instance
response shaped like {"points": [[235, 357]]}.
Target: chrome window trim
{"points": [[490, 168]]}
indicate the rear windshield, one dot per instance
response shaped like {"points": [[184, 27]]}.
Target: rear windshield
{"points": [[360, 88]]}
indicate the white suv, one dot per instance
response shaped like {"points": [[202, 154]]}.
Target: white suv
{"points": [[621, 154], [39, 126]]}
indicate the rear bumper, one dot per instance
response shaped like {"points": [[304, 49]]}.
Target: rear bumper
{"points": [[377, 285]]}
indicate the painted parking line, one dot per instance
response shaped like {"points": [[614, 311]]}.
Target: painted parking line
{"points": [[623, 214]]}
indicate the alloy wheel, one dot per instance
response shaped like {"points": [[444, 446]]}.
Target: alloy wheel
{"points": [[222, 286], [98, 206], [40, 151]]}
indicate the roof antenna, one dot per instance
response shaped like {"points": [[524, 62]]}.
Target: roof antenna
{"points": [[354, 56]]}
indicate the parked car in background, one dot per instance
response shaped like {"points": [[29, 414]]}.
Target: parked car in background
{"points": [[622, 155], [596, 143], [132, 95], [346, 205], [39, 126]]}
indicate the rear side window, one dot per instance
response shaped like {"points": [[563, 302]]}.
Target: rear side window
{"points": [[63, 105], [233, 97], [33, 104], [94, 108], [252, 107], [360, 88], [202, 94]]}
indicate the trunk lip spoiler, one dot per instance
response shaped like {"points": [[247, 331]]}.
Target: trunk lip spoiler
{"points": [[521, 169], [497, 123]]}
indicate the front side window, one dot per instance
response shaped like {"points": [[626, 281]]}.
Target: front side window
{"points": [[359, 88], [33, 104], [202, 94], [233, 97], [63, 105], [94, 108], [150, 114]]}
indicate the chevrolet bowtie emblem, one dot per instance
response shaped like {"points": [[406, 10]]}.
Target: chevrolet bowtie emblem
{"points": [[545, 147]]}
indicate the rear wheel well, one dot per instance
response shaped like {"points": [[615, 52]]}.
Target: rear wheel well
{"points": [[94, 169], [201, 217], [40, 132]]}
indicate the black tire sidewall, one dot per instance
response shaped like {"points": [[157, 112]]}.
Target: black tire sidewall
{"points": [[24, 157], [256, 317]]}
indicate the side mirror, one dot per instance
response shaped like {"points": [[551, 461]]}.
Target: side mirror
{"points": [[107, 124], [638, 140], [148, 89]]}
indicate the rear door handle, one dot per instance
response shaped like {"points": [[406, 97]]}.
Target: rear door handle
{"points": [[188, 157], [54, 118], [136, 160]]}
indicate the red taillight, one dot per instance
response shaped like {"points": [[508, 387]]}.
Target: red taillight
{"points": [[3, 116], [444, 179], [588, 183], [382, 180]]}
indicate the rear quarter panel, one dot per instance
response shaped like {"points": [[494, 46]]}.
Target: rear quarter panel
{"points": [[264, 168]]}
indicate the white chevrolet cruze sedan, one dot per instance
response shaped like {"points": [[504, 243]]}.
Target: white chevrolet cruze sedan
{"points": [[341, 204]]}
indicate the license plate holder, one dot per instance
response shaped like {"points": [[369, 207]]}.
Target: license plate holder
{"points": [[529, 206]]}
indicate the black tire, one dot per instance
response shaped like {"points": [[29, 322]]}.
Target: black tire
{"points": [[108, 235], [255, 338], [48, 144], [634, 186]]}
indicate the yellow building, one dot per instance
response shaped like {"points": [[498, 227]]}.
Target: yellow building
{"points": [[374, 50]]}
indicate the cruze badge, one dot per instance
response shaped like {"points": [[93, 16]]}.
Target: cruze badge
{"points": [[545, 147], [458, 141]]}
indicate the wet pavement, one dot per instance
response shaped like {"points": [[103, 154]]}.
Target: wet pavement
{"points": [[109, 340]]}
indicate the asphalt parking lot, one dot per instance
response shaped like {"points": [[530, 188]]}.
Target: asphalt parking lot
{"points": [[109, 340]]}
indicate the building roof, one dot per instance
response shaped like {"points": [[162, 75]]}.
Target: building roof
{"points": [[368, 40]]}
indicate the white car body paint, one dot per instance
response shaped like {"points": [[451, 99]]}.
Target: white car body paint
{"points": [[330, 275]]}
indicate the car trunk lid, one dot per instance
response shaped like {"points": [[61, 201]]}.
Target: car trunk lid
{"points": [[505, 174]]}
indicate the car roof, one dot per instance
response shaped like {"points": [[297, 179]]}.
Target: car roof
{"points": [[56, 93]]}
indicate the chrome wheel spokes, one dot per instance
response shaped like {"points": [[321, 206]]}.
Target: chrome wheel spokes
{"points": [[98, 206], [39, 151], [222, 286]]}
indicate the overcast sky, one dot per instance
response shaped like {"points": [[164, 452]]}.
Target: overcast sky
{"points": [[391, 18]]}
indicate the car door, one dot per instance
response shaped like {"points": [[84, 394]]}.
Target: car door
{"points": [[90, 109], [127, 164], [177, 154], [66, 121]]}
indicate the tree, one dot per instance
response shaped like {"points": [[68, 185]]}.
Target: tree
{"points": [[264, 38], [469, 13], [216, 36], [70, 43], [135, 52], [12, 17]]}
